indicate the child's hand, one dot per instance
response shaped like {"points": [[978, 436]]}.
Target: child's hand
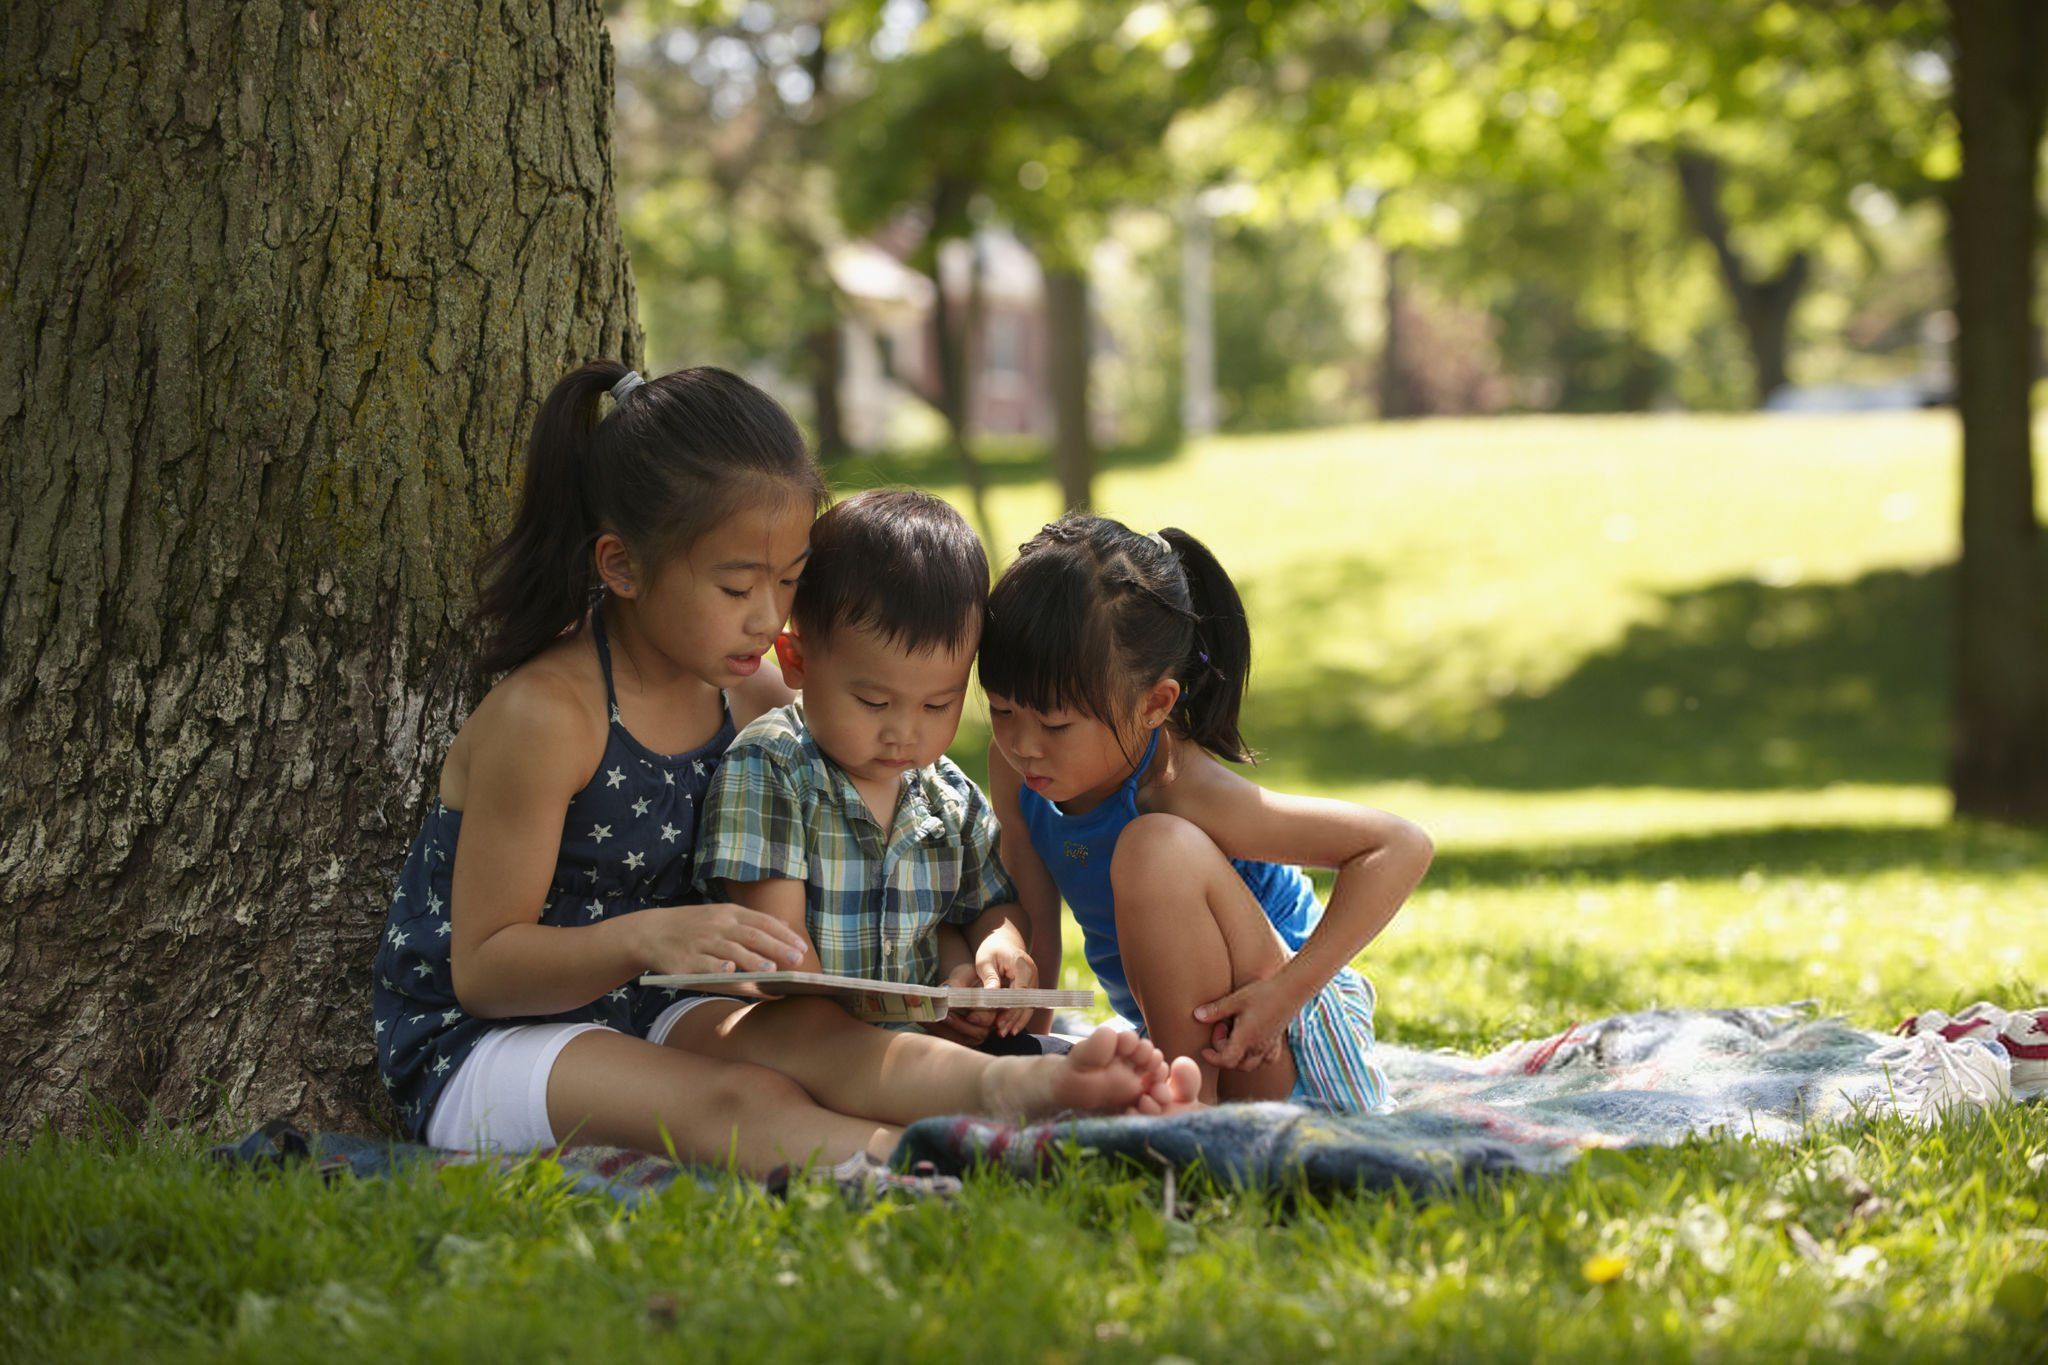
{"points": [[1002, 961], [1248, 1027], [718, 937], [969, 1028]]}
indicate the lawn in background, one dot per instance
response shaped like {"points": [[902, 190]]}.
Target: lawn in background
{"points": [[1669, 693]]}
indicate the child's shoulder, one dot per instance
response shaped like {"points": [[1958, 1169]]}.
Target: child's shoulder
{"points": [[545, 713], [778, 737], [781, 727]]}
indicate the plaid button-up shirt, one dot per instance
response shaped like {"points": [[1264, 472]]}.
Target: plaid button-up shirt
{"points": [[874, 897]]}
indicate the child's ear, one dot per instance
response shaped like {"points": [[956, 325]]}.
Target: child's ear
{"points": [[615, 567], [789, 653], [1158, 703]]}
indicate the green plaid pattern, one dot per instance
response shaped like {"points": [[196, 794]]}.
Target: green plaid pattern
{"points": [[873, 897]]}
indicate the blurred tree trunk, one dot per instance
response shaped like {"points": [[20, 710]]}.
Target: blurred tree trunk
{"points": [[1070, 350], [827, 351], [1998, 763], [1762, 306], [1393, 353], [955, 324], [283, 288]]}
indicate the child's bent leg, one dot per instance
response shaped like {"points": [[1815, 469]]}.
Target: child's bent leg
{"points": [[611, 1089], [1190, 931], [895, 1078]]}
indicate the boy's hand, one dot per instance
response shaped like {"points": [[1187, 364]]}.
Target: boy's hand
{"points": [[1001, 961], [969, 1028]]}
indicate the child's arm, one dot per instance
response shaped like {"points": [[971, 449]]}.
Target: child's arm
{"points": [[1037, 895], [783, 898], [528, 750], [1379, 859]]}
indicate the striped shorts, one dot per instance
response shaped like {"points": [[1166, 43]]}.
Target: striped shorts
{"points": [[1332, 1042]]}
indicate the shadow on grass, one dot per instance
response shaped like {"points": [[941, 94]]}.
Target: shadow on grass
{"points": [[1736, 685], [1781, 851]]}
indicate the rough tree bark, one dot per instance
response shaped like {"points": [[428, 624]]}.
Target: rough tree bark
{"points": [[1070, 349], [1762, 306], [281, 286], [1998, 762]]}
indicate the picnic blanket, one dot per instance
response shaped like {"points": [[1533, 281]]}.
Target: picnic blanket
{"points": [[1652, 1077], [626, 1176]]}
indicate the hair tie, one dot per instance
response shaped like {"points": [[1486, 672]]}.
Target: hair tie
{"points": [[1160, 541], [630, 381]]}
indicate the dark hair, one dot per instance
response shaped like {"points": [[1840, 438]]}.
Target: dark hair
{"points": [[901, 563], [1092, 613], [673, 458]]}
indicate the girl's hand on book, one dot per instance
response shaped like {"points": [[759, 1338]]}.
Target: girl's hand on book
{"points": [[1002, 962], [719, 937]]}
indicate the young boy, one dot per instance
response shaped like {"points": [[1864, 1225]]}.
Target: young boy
{"points": [[841, 813]]}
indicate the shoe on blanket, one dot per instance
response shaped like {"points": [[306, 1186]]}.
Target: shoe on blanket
{"points": [[861, 1180], [2025, 1036], [1927, 1074], [2022, 1033]]}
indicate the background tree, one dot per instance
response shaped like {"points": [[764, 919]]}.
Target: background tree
{"points": [[731, 219], [1999, 763], [283, 291]]}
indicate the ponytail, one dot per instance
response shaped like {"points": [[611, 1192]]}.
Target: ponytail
{"points": [[671, 458], [1092, 613], [1214, 673], [537, 582]]}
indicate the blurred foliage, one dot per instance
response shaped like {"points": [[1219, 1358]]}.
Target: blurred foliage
{"points": [[1519, 153]]}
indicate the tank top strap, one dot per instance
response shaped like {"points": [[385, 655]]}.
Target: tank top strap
{"points": [[604, 658], [1138, 773]]}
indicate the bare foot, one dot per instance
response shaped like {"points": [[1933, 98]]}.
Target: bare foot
{"points": [[1181, 1092], [1109, 1072]]}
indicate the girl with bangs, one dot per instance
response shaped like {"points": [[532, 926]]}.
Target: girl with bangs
{"points": [[1115, 667]]}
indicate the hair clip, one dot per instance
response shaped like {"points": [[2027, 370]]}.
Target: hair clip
{"points": [[628, 382]]}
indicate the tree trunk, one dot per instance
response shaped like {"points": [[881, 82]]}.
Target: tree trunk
{"points": [[1197, 321], [1998, 764], [827, 353], [1763, 307], [1393, 354], [1069, 343], [283, 288], [954, 327]]}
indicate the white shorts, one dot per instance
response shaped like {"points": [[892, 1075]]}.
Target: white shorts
{"points": [[497, 1100]]}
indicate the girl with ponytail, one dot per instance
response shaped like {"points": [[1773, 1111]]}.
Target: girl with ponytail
{"points": [[1115, 667], [660, 532]]}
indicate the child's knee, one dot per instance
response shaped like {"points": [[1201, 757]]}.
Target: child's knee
{"points": [[737, 1087], [1155, 849]]}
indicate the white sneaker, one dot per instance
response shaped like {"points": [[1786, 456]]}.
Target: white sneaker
{"points": [[2025, 1036], [1929, 1075]]}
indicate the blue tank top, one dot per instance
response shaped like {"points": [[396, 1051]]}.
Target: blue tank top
{"points": [[1077, 850], [628, 842]]}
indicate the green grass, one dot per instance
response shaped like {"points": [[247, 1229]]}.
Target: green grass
{"points": [[1689, 757]]}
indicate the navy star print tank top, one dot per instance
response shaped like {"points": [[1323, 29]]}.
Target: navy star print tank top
{"points": [[628, 842]]}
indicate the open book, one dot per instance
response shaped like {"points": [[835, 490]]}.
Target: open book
{"points": [[880, 1002]]}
